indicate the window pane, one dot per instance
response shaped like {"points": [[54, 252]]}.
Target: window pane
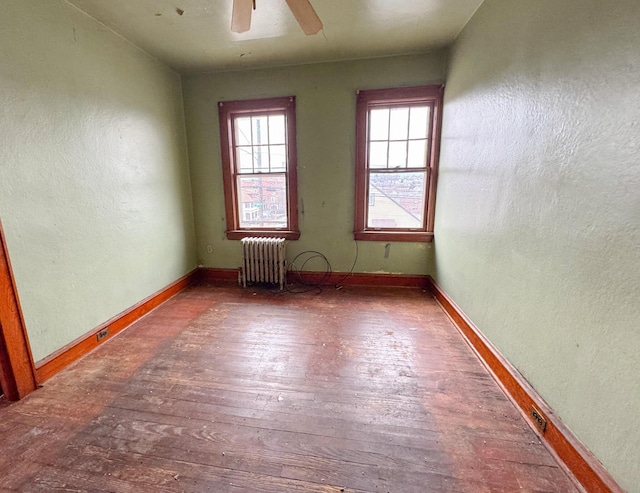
{"points": [[259, 126], [243, 131], [379, 124], [276, 129], [261, 159], [378, 155], [417, 154], [396, 200], [397, 154], [419, 125], [244, 160], [262, 201], [399, 123], [278, 158]]}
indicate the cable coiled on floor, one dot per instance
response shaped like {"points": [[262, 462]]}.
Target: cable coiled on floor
{"points": [[308, 285]]}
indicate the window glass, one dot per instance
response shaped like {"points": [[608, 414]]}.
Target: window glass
{"points": [[262, 200], [398, 123], [419, 125], [260, 131], [417, 154], [261, 159], [244, 159], [398, 154], [396, 163], [243, 131], [379, 124], [257, 139], [378, 154], [278, 157], [276, 129], [396, 200]]}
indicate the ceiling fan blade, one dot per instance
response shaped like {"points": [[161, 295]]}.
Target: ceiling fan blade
{"points": [[241, 15], [305, 15]]}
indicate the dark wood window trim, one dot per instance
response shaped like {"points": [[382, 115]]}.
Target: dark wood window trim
{"points": [[227, 111], [366, 100]]}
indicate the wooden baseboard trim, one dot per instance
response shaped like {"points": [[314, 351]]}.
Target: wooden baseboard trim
{"points": [[570, 452], [360, 279], [59, 360], [207, 274]]}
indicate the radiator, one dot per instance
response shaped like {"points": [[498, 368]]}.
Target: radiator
{"points": [[263, 261]]}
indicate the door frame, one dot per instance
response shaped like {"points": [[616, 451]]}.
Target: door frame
{"points": [[17, 370]]}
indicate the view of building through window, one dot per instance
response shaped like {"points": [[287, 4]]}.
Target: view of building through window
{"points": [[261, 164], [396, 200], [263, 201]]}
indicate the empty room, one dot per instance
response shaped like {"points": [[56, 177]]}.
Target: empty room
{"points": [[320, 245]]}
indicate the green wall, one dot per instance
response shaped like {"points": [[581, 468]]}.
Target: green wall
{"points": [[325, 114], [538, 210], [94, 185]]}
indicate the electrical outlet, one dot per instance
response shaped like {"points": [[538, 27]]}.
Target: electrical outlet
{"points": [[102, 334], [538, 419], [209, 249]]}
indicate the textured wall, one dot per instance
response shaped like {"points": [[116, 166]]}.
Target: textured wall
{"points": [[325, 115], [538, 211], [94, 185]]}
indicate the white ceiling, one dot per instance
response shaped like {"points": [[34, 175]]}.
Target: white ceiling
{"points": [[200, 39]]}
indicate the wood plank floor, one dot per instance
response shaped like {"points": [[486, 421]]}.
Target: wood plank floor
{"points": [[230, 390]]}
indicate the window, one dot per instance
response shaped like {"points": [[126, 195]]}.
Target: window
{"points": [[258, 142], [397, 144]]}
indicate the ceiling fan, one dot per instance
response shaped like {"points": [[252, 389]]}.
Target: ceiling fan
{"points": [[302, 10]]}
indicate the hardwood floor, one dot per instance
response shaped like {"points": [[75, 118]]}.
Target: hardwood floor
{"points": [[230, 390]]}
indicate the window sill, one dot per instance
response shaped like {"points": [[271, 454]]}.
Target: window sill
{"points": [[238, 234], [417, 236]]}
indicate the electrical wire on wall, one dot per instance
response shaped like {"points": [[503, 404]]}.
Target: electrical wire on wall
{"points": [[338, 285], [303, 282]]}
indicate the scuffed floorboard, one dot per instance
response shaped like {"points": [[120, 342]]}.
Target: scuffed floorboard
{"points": [[230, 390]]}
